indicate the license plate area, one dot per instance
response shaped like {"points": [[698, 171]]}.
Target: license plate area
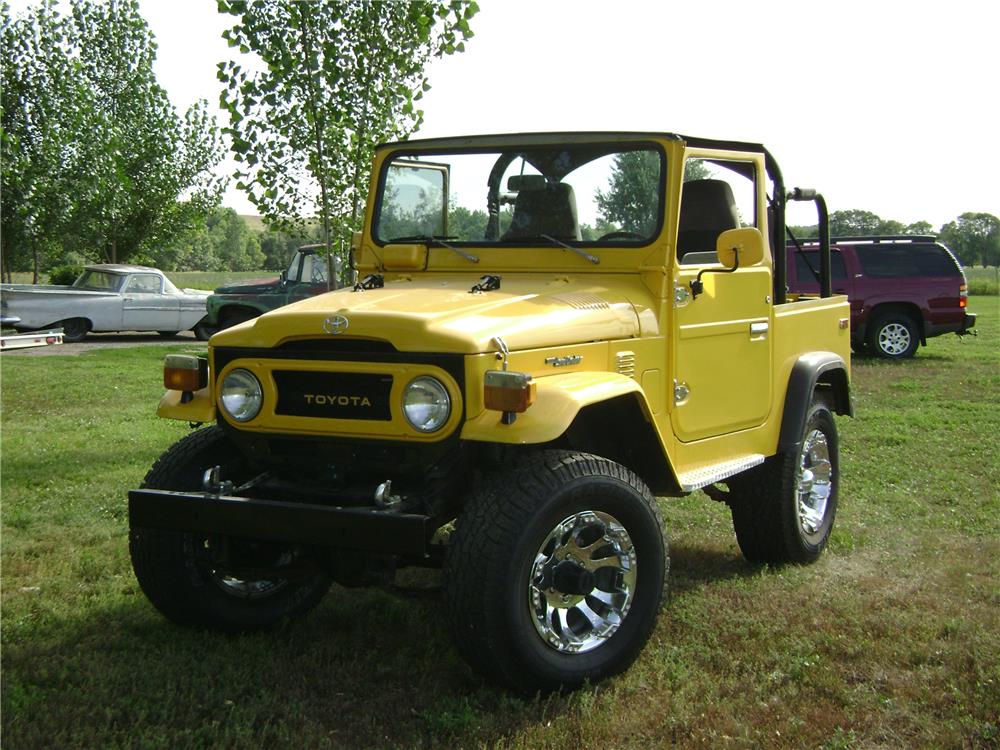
{"points": [[333, 395]]}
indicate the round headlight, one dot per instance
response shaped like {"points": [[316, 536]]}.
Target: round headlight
{"points": [[426, 404], [241, 395]]}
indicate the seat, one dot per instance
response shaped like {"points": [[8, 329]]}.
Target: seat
{"points": [[707, 210], [550, 210]]}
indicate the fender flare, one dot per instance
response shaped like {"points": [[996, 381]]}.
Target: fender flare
{"points": [[812, 369], [558, 401]]}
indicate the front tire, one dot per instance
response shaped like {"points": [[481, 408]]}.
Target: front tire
{"points": [[556, 572], [185, 577], [783, 511]]}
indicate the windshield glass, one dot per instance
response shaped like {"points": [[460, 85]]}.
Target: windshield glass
{"points": [[581, 194], [98, 281]]}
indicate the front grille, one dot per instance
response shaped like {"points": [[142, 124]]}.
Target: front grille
{"points": [[333, 395]]}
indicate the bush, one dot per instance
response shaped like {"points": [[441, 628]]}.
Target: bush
{"points": [[64, 275]]}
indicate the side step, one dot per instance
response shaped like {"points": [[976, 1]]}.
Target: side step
{"points": [[702, 476]]}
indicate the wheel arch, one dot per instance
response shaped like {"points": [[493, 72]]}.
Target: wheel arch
{"points": [[601, 413], [912, 310], [825, 372]]}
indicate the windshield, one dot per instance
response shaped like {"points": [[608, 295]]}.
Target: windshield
{"points": [[98, 281], [580, 194]]}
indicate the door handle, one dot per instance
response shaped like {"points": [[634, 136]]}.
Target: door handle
{"points": [[759, 329]]}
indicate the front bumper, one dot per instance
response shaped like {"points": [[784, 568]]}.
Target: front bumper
{"points": [[361, 529]]}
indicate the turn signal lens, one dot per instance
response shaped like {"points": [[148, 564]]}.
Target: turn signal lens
{"points": [[508, 391], [182, 372], [963, 296]]}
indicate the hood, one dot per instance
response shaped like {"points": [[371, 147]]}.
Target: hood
{"points": [[441, 314], [256, 286]]}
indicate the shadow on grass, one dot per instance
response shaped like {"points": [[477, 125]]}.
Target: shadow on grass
{"points": [[692, 567], [368, 668]]}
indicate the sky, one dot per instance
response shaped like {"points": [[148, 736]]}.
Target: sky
{"points": [[881, 105]]}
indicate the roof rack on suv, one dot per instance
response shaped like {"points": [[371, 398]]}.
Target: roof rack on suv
{"points": [[876, 239]]}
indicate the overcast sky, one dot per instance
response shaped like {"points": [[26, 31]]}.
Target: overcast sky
{"points": [[881, 105]]}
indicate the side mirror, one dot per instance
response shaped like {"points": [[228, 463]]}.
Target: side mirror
{"points": [[740, 247], [736, 248]]}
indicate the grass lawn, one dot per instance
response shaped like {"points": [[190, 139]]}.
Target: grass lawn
{"points": [[891, 640]]}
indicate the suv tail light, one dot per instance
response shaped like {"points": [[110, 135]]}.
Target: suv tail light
{"points": [[963, 295]]}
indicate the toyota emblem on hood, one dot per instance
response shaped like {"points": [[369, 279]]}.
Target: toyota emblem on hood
{"points": [[335, 324]]}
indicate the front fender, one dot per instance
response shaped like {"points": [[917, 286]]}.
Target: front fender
{"points": [[200, 408], [558, 400]]}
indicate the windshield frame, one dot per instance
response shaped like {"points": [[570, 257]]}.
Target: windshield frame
{"points": [[602, 148]]}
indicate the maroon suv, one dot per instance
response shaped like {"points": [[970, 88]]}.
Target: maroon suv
{"points": [[902, 289]]}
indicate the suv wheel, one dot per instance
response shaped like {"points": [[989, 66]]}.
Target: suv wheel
{"points": [[555, 572], [783, 511], [893, 335]]}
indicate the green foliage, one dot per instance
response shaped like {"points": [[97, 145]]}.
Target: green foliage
{"points": [[974, 238], [222, 242], [64, 275], [335, 78], [632, 199], [95, 158]]}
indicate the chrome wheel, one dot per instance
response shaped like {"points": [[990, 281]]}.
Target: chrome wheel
{"points": [[894, 339], [583, 582], [814, 482]]}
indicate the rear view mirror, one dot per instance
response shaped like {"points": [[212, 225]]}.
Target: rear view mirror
{"points": [[521, 182], [740, 247]]}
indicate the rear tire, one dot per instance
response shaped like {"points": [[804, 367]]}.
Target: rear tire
{"points": [[75, 330], [555, 572], [180, 572], [783, 511], [893, 335]]}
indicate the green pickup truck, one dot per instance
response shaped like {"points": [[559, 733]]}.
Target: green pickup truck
{"points": [[308, 274]]}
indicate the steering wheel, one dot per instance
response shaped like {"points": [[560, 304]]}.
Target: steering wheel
{"points": [[620, 236]]}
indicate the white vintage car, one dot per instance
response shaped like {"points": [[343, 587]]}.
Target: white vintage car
{"points": [[107, 297]]}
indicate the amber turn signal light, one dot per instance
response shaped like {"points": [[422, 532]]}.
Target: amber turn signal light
{"points": [[182, 372], [508, 391]]}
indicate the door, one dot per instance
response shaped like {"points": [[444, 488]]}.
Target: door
{"points": [[722, 332], [146, 307]]}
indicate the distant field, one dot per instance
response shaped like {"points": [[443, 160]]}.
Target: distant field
{"points": [[983, 280], [892, 640]]}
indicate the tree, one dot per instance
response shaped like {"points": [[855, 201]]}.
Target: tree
{"points": [[335, 78], [975, 238], [95, 157], [633, 195], [44, 106]]}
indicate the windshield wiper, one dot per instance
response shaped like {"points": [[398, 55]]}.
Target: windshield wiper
{"points": [[582, 253], [435, 239]]}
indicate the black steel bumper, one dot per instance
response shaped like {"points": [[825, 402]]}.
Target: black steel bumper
{"points": [[361, 529]]}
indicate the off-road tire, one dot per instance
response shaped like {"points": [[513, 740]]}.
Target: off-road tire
{"points": [[176, 573], [893, 335], [765, 501], [204, 331], [496, 544]]}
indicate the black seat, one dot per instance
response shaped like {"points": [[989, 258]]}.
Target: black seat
{"points": [[707, 210], [550, 210]]}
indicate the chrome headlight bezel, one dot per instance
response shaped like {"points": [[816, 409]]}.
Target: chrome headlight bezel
{"points": [[426, 404], [245, 398]]}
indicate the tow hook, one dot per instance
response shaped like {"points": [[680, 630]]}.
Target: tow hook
{"points": [[383, 498], [210, 482]]}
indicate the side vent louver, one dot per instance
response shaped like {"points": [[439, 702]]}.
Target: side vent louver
{"points": [[625, 364]]}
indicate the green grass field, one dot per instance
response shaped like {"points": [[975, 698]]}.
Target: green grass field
{"points": [[892, 640]]}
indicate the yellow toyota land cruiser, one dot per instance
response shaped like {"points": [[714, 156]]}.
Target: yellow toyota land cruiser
{"points": [[549, 332]]}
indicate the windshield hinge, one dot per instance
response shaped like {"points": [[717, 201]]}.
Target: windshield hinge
{"points": [[371, 281], [487, 283]]}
